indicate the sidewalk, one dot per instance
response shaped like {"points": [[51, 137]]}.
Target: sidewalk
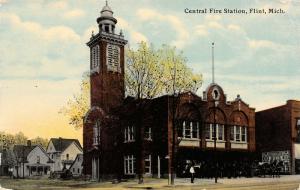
{"points": [[160, 183], [283, 178]]}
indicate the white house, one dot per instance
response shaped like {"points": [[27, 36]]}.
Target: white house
{"points": [[31, 161], [63, 152], [76, 167]]}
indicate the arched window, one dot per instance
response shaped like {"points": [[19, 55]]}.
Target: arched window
{"points": [[96, 133], [238, 128]]}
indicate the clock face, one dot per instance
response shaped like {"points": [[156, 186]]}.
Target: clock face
{"points": [[113, 58]]}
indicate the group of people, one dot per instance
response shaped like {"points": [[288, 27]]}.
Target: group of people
{"points": [[232, 169], [209, 170]]}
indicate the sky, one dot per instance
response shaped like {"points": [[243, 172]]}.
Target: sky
{"points": [[43, 52]]}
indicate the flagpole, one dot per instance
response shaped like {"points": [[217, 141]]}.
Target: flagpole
{"points": [[213, 63]]}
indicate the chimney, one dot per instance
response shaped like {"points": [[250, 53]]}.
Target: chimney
{"points": [[28, 142]]}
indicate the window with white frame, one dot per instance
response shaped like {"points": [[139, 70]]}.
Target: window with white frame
{"points": [[190, 130], [129, 133], [95, 57], [129, 165], [238, 133], [232, 130], [96, 133], [210, 132], [148, 164], [220, 132], [243, 134], [148, 133]]}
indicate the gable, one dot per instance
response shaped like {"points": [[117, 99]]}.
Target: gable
{"points": [[72, 150], [50, 147], [78, 161], [38, 152], [60, 144]]}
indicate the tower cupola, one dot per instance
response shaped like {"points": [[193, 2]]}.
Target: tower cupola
{"points": [[106, 21]]}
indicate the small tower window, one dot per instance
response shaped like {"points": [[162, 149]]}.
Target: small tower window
{"points": [[113, 29], [106, 28]]}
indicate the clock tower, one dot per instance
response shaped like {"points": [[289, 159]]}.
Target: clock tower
{"points": [[107, 63]]}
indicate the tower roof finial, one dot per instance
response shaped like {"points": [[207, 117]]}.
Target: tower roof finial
{"points": [[106, 3]]}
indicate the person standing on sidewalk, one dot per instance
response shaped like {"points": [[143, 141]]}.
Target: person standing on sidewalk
{"points": [[192, 172]]}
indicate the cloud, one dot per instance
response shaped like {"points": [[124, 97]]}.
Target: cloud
{"points": [[51, 33], [135, 36], [175, 22], [255, 44], [88, 32], [58, 5], [201, 30], [234, 27], [215, 25], [74, 14], [44, 49], [213, 17]]}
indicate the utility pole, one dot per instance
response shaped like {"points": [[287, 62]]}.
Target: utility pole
{"points": [[215, 143], [213, 62], [174, 106], [214, 122]]}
